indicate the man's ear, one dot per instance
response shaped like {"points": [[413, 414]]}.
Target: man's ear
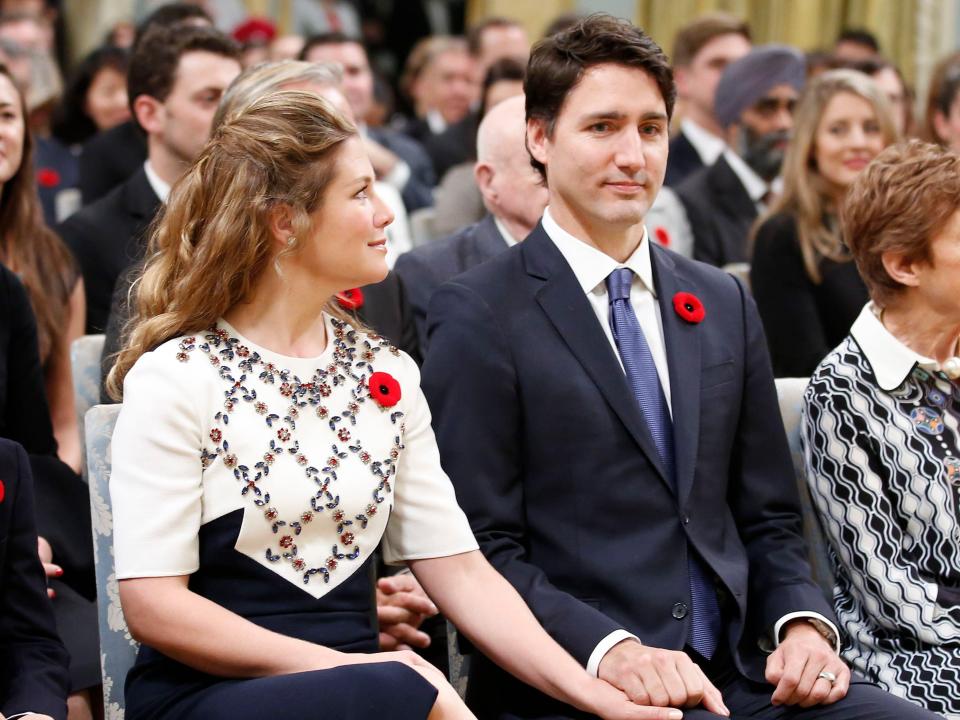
{"points": [[148, 112], [537, 139], [900, 268], [483, 175]]}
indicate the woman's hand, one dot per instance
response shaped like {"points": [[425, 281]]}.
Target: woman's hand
{"points": [[448, 705], [51, 571], [401, 606], [608, 702]]}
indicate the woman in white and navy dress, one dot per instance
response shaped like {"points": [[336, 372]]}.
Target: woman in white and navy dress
{"points": [[881, 431], [266, 447]]}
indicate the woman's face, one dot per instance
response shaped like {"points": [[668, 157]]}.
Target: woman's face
{"points": [[106, 101], [948, 128], [848, 137], [347, 243], [11, 130]]}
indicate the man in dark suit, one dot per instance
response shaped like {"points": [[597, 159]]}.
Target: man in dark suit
{"points": [[606, 411], [33, 662], [701, 50], [396, 158], [514, 196], [755, 100], [176, 77]]}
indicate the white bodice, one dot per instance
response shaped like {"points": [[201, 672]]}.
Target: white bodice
{"points": [[325, 456]]}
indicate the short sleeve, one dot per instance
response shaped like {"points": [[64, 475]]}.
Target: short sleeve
{"points": [[426, 521], [156, 477]]}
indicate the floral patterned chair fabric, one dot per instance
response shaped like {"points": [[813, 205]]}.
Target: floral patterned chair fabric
{"points": [[117, 648], [790, 393], [85, 355]]}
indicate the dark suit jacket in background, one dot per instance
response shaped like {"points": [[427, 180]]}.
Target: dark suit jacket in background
{"points": [[803, 320], [107, 237], [558, 472], [33, 661], [109, 158], [424, 269], [720, 213], [418, 192], [682, 161], [455, 145]]}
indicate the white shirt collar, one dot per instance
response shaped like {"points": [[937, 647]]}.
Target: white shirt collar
{"points": [[160, 186], [435, 122], [755, 185], [891, 360], [590, 266], [508, 238], [708, 146]]}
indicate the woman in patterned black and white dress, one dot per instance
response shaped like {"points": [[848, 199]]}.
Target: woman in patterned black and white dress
{"points": [[266, 446], [881, 431]]}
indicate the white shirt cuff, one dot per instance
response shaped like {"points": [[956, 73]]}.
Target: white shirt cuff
{"points": [[398, 176], [603, 647], [20, 715], [809, 616]]}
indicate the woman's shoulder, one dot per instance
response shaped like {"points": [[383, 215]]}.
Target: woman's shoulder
{"points": [[844, 371], [173, 365], [366, 347], [779, 228]]}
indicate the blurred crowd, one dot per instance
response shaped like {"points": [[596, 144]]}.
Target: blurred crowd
{"points": [[766, 141]]}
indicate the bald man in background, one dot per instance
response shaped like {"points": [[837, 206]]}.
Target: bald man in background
{"points": [[513, 195]]}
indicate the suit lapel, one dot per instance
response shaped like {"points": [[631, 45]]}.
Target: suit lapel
{"points": [[682, 344], [564, 303]]}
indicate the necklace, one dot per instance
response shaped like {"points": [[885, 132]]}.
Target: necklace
{"points": [[352, 364]]}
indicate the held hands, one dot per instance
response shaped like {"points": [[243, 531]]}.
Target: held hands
{"points": [[795, 667], [51, 571], [401, 606], [662, 678]]}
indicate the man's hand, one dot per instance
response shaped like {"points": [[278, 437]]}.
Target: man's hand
{"points": [[401, 606], [51, 570], [796, 665], [650, 676]]}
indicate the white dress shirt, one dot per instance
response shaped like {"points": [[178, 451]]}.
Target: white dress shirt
{"points": [[508, 238], [708, 146], [160, 186], [591, 268], [755, 185]]}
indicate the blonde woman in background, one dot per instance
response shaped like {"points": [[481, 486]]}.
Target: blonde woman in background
{"points": [[805, 284]]}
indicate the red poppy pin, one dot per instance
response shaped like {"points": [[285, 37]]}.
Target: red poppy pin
{"points": [[663, 237], [384, 389], [351, 299], [688, 306], [48, 177], [3, 491]]}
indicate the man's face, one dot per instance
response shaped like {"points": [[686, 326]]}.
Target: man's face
{"points": [[448, 85], [357, 76], [496, 43], [697, 82], [608, 152], [763, 133], [187, 113]]}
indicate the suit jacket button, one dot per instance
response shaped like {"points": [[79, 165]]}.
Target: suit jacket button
{"points": [[679, 611]]}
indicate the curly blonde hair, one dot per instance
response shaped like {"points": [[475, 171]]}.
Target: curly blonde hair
{"points": [[213, 241]]}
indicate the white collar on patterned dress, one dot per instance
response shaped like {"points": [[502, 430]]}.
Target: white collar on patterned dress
{"points": [[890, 359]]}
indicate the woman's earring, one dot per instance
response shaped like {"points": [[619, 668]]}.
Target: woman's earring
{"points": [[291, 241]]}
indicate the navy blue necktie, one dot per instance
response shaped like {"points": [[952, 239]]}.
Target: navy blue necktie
{"points": [[705, 623]]}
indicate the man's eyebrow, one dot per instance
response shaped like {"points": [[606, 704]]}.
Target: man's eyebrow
{"points": [[619, 115]]}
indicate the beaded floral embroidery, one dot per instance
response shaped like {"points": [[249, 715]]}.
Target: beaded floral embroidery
{"points": [[352, 366]]}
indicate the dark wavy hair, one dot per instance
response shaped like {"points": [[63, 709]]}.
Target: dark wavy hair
{"points": [[557, 64], [33, 250], [71, 124]]}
